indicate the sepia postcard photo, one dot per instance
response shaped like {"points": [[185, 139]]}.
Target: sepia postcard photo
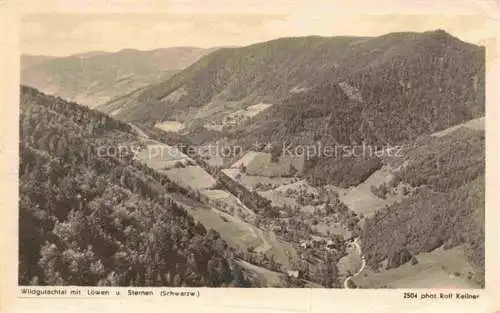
{"points": [[173, 153]]}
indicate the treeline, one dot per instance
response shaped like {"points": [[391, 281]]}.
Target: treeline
{"points": [[86, 219]]}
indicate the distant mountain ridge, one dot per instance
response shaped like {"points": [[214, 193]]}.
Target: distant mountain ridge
{"points": [[400, 67], [95, 77], [31, 60]]}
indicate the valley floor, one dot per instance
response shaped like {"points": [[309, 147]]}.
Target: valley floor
{"points": [[226, 214]]}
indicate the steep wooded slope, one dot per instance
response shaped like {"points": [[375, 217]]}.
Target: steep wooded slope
{"points": [[93, 218], [446, 209]]}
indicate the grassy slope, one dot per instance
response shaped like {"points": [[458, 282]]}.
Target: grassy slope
{"points": [[242, 235], [437, 269]]}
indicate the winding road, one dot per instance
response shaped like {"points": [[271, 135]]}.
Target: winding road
{"points": [[363, 265]]}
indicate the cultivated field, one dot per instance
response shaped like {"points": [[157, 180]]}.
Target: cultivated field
{"points": [[246, 159], [225, 201], [289, 195], [240, 234], [237, 233], [160, 156], [176, 165], [261, 164], [194, 177], [360, 199], [170, 126]]}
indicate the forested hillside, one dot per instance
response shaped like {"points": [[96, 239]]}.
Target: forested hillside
{"points": [[392, 74], [261, 72], [416, 83], [92, 219], [446, 209], [337, 91], [403, 86]]}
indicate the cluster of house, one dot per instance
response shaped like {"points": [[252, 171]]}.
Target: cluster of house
{"points": [[318, 242]]}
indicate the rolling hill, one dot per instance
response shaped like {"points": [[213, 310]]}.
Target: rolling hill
{"points": [[338, 91], [235, 76], [412, 84], [416, 84], [94, 78], [349, 81]]}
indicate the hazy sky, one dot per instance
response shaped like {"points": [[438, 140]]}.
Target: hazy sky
{"points": [[64, 34]]}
